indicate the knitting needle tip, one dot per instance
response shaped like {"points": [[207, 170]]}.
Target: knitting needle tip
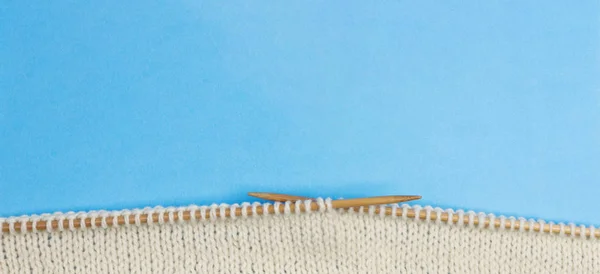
{"points": [[406, 198]]}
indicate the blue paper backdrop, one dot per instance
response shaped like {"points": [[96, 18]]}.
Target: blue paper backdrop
{"points": [[484, 105]]}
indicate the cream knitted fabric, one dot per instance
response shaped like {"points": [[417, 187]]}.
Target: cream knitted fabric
{"points": [[317, 242]]}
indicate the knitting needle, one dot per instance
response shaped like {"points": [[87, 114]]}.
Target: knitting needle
{"points": [[270, 209], [275, 197], [87, 222], [378, 200], [444, 217]]}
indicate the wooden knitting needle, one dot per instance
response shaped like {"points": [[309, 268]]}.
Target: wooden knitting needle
{"points": [[356, 206], [144, 218], [342, 203], [187, 216], [444, 217]]}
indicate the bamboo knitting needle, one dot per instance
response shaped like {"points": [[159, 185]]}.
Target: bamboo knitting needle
{"points": [[275, 197], [445, 217], [186, 215], [378, 200]]}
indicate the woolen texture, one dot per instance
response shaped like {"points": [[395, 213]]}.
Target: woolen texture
{"points": [[315, 242]]}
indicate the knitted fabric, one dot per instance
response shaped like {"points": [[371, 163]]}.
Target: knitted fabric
{"points": [[326, 241]]}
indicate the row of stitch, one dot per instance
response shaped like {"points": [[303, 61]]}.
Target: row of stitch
{"points": [[434, 214], [165, 215]]}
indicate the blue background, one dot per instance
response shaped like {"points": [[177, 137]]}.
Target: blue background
{"points": [[491, 106]]}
